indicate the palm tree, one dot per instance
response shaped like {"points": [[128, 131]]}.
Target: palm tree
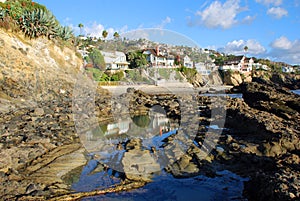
{"points": [[104, 34], [246, 49], [116, 35], [80, 27]]}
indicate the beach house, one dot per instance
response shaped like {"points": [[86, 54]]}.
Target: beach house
{"points": [[115, 60]]}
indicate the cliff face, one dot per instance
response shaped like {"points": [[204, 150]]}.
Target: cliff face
{"points": [[34, 70], [288, 80], [235, 78], [38, 143]]}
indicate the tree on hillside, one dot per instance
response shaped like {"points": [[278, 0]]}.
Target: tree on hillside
{"points": [[80, 27], [97, 59], [104, 34], [116, 35], [137, 59]]}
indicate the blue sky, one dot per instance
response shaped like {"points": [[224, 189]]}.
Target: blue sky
{"points": [[270, 28]]}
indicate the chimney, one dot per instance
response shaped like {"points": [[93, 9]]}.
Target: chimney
{"points": [[157, 51]]}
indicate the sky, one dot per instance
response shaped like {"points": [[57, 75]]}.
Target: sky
{"points": [[269, 28]]}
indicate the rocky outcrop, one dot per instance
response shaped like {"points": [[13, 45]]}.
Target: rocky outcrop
{"points": [[214, 79], [38, 139], [287, 80], [264, 144], [139, 164], [197, 80], [276, 100]]}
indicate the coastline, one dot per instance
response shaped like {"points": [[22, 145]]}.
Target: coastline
{"points": [[166, 88]]}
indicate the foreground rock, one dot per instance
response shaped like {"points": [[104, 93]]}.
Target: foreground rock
{"points": [[39, 144], [265, 144], [138, 164], [262, 143]]}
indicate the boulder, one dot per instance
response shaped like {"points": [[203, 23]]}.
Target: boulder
{"points": [[232, 78], [139, 165]]}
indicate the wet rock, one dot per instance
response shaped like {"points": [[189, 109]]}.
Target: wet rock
{"points": [[139, 165]]}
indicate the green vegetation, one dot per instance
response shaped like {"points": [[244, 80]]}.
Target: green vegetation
{"points": [[141, 121], [165, 73], [97, 74], [137, 59], [135, 75], [104, 76], [33, 19], [97, 59], [104, 34], [116, 35], [190, 73]]}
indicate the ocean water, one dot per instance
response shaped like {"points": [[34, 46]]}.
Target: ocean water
{"points": [[296, 91]]}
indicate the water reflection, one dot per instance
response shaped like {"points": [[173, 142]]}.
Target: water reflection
{"points": [[296, 91], [238, 95], [142, 126]]}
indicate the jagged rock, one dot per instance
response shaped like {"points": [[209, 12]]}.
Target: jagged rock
{"points": [[139, 165], [232, 78]]}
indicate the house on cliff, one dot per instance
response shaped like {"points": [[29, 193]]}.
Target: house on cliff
{"points": [[159, 58], [115, 60], [239, 63], [187, 62], [287, 69]]}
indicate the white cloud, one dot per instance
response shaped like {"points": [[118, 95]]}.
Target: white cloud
{"points": [[94, 30], [164, 22], [277, 12], [248, 19], [236, 47], [285, 50], [136, 34], [270, 2], [219, 14], [282, 43]]}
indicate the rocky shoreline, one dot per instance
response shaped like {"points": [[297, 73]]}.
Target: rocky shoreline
{"points": [[41, 129], [264, 145]]}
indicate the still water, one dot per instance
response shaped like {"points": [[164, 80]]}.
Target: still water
{"points": [[296, 91], [153, 129]]}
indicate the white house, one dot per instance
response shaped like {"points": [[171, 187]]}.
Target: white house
{"points": [[154, 57], [187, 62], [287, 69], [259, 66], [238, 63], [202, 68], [115, 60]]}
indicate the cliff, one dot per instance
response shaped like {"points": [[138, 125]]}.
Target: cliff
{"points": [[39, 142], [36, 69]]}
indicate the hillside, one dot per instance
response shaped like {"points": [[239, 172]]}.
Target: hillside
{"points": [[37, 78], [36, 69]]}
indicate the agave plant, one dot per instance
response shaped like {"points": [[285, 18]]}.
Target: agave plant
{"points": [[38, 23], [65, 33]]}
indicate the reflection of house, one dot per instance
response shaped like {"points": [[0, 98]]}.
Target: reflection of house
{"points": [[119, 127], [287, 69], [115, 60], [159, 120], [187, 62]]}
